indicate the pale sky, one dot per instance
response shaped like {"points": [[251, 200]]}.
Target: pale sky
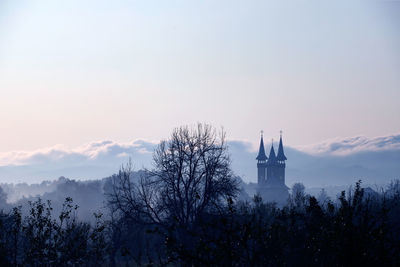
{"points": [[76, 71]]}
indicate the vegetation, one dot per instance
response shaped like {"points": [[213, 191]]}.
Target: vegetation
{"points": [[38, 239], [355, 230], [185, 212]]}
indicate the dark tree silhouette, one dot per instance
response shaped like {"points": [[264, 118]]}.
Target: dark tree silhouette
{"points": [[191, 176], [191, 179]]}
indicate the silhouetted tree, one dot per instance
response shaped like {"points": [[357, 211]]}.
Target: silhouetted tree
{"points": [[191, 176], [298, 196], [323, 198]]}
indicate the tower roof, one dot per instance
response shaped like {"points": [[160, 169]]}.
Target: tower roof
{"points": [[281, 155], [272, 157], [261, 151]]}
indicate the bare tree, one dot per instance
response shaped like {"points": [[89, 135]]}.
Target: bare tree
{"points": [[191, 176], [298, 196]]}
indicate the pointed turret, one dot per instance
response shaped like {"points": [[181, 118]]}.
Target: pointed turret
{"points": [[261, 152], [272, 157], [261, 162], [272, 188], [281, 155]]}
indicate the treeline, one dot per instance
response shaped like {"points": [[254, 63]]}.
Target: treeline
{"points": [[186, 212], [40, 239], [355, 230]]}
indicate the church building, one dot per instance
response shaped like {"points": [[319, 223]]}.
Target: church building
{"points": [[271, 174]]}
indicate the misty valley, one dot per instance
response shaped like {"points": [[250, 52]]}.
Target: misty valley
{"points": [[191, 209], [199, 133]]}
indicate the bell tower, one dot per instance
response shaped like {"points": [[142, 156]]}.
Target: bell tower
{"points": [[261, 162], [271, 174], [272, 167], [281, 165]]}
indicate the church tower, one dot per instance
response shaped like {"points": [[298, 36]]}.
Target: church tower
{"points": [[271, 174], [272, 168], [261, 162], [281, 158]]}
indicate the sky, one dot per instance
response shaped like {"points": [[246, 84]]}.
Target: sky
{"points": [[74, 72]]}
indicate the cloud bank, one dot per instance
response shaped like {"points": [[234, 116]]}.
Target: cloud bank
{"points": [[334, 162], [92, 152], [351, 145], [91, 161]]}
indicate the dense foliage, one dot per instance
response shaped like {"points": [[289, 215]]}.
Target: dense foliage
{"points": [[186, 212], [39, 239], [356, 229]]}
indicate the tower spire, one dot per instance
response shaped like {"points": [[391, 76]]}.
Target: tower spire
{"points": [[261, 152], [281, 155], [272, 156]]}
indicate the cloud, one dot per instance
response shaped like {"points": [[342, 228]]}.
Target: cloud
{"points": [[95, 151], [351, 145], [334, 162], [91, 161]]}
